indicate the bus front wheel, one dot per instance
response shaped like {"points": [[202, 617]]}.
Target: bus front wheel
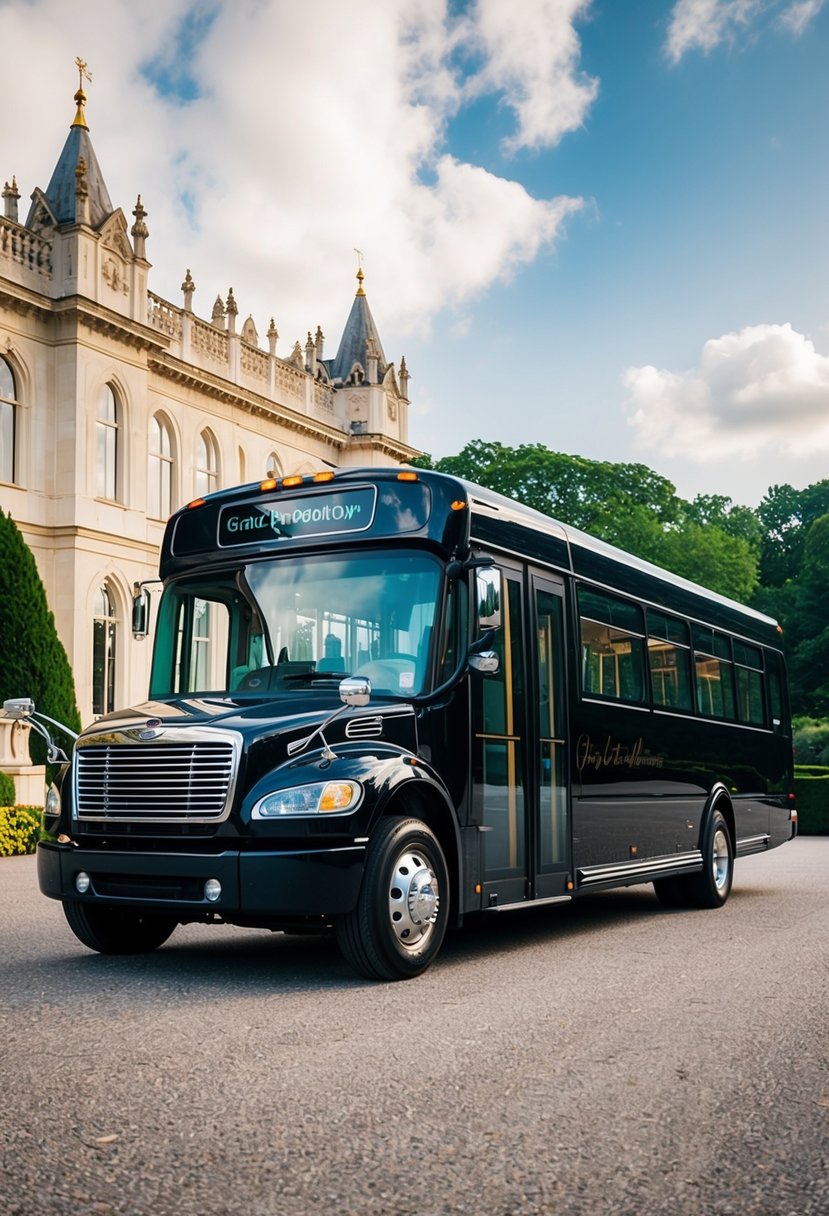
{"points": [[398, 925], [117, 930]]}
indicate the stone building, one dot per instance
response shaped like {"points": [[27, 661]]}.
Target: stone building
{"points": [[117, 406]]}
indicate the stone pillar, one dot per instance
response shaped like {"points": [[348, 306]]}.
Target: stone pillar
{"points": [[29, 779]]}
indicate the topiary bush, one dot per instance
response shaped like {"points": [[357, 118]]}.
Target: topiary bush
{"points": [[19, 830], [811, 740], [811, 788], [34, 660]]}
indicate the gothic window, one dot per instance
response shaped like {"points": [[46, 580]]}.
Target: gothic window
{"points": [[273, 466], [107, 426], [104, 650], [8, 422], [160, 468], [207, 464]]}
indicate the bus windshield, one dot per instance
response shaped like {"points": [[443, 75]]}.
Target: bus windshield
{"points": [[279, 624]]}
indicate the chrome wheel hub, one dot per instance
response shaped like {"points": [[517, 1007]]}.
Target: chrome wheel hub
{"points": [[720, 859], [414, 898]]}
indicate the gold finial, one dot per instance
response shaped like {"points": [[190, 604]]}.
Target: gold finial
{"points": [[80, 96], [360, 275]]}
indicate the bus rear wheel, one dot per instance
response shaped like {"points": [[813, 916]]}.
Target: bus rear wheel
{"points": [[399, 923], [710, 888], [117, 930]]}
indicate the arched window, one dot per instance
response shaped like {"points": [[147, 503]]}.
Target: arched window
{"points": [[242, 466], [159, 469], [104, 649], [207, 464], [273, 466], [8, 422], [106, 445]]}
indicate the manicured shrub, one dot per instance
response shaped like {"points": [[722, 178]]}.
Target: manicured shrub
{"points": [[811, 788], [811, 740], [7, 790], [19, 830], [34, 660]]}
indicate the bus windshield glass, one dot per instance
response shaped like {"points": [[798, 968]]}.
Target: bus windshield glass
{"points": [[282, 624]]}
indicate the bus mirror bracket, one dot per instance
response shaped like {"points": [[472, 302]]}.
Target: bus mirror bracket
{"points": [[22, 709]]}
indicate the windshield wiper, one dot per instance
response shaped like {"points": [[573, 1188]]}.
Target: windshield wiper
{"points": [[317, 675]]}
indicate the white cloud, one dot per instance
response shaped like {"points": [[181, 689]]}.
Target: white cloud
{"points": [[532, 58], [703, 24], [315, 128], [764, 390], [799, 14]]}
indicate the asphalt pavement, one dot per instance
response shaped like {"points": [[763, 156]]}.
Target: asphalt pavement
{"points": [[604, 1057]]}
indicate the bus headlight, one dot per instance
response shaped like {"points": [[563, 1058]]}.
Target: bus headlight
{"points": [[51, 807], [321, 798]]}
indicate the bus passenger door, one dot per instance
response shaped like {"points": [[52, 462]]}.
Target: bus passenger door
{"points": [[500, 756], [519, 752], [550, 801]]}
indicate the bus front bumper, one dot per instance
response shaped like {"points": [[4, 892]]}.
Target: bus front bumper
{"points": [[318, 882]]}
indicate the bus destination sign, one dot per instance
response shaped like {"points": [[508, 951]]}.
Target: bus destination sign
{"points": [[295, 518]]}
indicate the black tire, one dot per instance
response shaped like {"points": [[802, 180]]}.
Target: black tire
{"points": [[398, 925], [711, 886], [117, 930], [672, 892]]}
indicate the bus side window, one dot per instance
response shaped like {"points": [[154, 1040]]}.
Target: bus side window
{"points": [[775, 692], [669, 661], [748, 668], [612, 647], [714, 674]]}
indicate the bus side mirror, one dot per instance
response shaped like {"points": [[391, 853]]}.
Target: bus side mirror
{"points": [[19, 708], [355, 690], [488, 598], [140, 611], [487, 662]]}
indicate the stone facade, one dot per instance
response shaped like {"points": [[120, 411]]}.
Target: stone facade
{"points": [[117, 406]]}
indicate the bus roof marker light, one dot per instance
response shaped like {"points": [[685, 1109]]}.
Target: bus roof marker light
{"points": [[270, 483], [458, 505], [197, 502], [289, 482], [326, 475], [407, 475]]}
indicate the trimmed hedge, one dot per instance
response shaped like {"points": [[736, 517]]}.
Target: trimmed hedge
{"points": [[19, 830], [7, 790], [811, 788]]}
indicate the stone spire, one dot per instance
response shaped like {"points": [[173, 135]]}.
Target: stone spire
{"points": [[139, 230], [60, 195], [11, 196], [360, 340]]}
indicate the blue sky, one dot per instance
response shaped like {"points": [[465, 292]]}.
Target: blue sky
{"points": [[598, 226]]}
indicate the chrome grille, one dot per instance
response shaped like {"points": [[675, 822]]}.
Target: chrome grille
{"points": [[185, 780]]}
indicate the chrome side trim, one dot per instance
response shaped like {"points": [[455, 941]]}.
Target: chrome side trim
{"points": [[530, 903], [753, 844], [636, 869]]}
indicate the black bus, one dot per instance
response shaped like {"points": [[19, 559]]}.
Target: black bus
{"points": [[382, 700]]}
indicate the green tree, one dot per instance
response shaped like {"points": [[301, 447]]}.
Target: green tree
{"points": [[718, 511], [712, 557], [34, 660], [629, 505], [786, 515], [810, 657]]}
